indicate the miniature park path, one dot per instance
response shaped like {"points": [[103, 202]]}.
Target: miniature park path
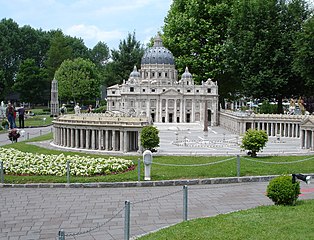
{"points": [[28, 213]]}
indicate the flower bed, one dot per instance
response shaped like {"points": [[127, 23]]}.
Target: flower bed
{"points": [[21, 163]]}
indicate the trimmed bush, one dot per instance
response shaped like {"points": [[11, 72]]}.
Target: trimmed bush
{"points": [[282, 191]]}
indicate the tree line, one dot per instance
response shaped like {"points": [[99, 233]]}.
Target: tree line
{"points": [[262, 49], [31, 58]]}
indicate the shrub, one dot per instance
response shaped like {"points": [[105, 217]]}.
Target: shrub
{"points": [[282, 191], [149, 137], [254, 141]]}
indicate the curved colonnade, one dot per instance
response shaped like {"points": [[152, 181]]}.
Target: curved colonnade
{"points": [[98, 132]]}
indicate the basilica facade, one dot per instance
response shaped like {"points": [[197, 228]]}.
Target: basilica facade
{"points": [[155, 91]]}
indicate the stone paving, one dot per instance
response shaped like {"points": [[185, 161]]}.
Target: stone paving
{"points": [[34, 212], [39, 213]]}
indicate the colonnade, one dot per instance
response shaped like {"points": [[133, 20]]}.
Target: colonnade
{"points": [[96, 132], [307, 139], [282, 129], [97, 139], [272, 124]]}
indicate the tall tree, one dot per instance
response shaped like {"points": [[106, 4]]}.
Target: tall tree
{"points": [[100, 54], [304, 56], [10, 42], [260, 49], [78, 80], [194, 32], [129, 54], [30, 82]]}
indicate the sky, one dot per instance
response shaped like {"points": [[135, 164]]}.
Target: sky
{"points": [[108, 21]]}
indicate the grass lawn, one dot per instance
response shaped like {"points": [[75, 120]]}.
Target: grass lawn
{"points": [[159, 172], [266, 222]]}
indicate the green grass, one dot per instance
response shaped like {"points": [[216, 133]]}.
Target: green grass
{"points": [[226, 169], [266, 222]]}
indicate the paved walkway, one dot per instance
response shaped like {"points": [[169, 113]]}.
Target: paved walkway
{"points": [[98, 213], [41, 213]]}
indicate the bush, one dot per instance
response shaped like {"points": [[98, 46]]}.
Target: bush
{"points": [[282, 191], [254, 141], [149, 137]]}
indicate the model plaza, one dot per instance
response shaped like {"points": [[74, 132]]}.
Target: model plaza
{"points": [[155, 95]]}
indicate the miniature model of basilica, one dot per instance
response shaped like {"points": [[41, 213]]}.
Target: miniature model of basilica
{"points": [[155, 92]]}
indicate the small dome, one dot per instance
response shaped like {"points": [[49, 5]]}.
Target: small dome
{"points": [[186, 74], [157, 54], [135, 73]]}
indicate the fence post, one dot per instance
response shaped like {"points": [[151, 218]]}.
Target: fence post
{"points": [[27, 136], [185, 203], [238, 166], [68, 172], [127, 220], [61, 235], [40, 132], [138, 170], [1, 172]]}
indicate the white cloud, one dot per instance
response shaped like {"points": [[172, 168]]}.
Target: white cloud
{"points": [[92, 33]]}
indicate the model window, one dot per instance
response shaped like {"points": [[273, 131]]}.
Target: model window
{"points": [[153, 74], [208, 90], [164, 90], [153, 89], [143, 90], [159, 74], [113, 92], [166, 74], [197, 90], [189, 90], [178, 90], [132, 104], [131, 89], [113, 103]]}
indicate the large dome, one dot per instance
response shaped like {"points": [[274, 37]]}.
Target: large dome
{"points": [[157, 54]]}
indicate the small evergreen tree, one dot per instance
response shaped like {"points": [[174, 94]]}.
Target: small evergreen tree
{"points": [[149, 137], [254, 141]]}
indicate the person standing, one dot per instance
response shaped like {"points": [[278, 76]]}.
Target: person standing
{"points": [[10, 115], [90, 109], [21, 112], [77, 109]]}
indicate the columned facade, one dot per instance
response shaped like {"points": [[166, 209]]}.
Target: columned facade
{"points": [[99, 132], [307, 133], [275, 125]]}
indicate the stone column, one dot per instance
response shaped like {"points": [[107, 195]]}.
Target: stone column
{"points": [[100, 139], [82, 142], [106, 140], [167, 112], [302, 138], [121, 141], [87, 146], [77, 143], [93, 139], [114, 140], [125, 141], [68, 144]]}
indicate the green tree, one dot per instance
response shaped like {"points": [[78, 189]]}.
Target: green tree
{"points": [[100, 54], [254, 141], [194, 32], [10, 43], [259, 49], [149, 137], [304, 55], [59, 51], [30, 82], [78, 80], [130, 53]]}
